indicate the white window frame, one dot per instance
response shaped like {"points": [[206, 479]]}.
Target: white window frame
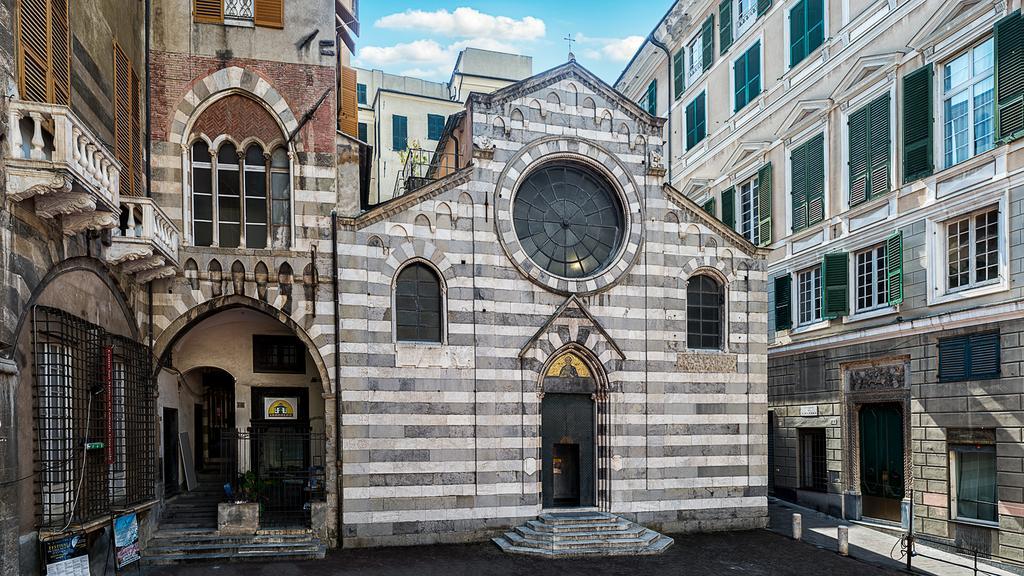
{"points": [[943, 95], [972, 256], [936, 248], [954, 489], [696, 40], [820, 127], [851, 106], [815, 295], [737, 29], [738, 198], [877, 274], [759, 40]]}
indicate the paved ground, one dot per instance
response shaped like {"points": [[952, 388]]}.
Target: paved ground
{"points": [[870, 545], [753, 553]]}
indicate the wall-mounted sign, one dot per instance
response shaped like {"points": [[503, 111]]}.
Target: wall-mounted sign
{"points": [[809, 410], [281, 408], [66, 556]]}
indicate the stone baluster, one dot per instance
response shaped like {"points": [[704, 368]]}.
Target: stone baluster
{"points": [[129, 227], [38, 150], [14, 128], [105, 175], [76, 146], [90, 159]]}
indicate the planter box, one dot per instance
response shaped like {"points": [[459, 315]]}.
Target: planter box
{"points": [[238, 518]]}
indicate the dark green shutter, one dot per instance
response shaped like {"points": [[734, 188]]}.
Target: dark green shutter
{"points": [[678, 73], [764, 204], [724, 26], [894, 267], [1009, 77], [652, 98], [953, 358], [797, 32], [815, 159], [709, 206], [729, 208], [835, 285], [691, 122], [708, 42], [917, 124], [783, 303], [798, 181], [700, 118], [763, 6], [739, 82], [983, 356], [399, 133], [815, 28], [878, 135], [857, 130]]}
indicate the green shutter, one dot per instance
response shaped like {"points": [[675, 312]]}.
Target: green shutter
{"points": [[835, 285], [652, 98], [983, 356], [878, 153], [709, 206], [857, 131], [729, 208], [917, 124], [815, 191], [815, 27], [797, 32], [678, 73], [399, 133], [700, 118], [894, 267], [953, 358], [763, 6], [724, 26], [1009, 77], [798, 192], [764, 204], [783, 303], [691, 123], [708, 42]]}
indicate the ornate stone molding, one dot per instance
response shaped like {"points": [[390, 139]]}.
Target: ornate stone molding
{"points": [[24, 185], [142, 264], [78, 223], [121, 252], [64, 203], [155, 274]]}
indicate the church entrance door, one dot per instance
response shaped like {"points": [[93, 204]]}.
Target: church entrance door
{"points": [[568, 443]]}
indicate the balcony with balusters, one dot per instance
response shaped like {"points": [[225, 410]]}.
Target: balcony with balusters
{"points": [[145, 243], [60, 164]]}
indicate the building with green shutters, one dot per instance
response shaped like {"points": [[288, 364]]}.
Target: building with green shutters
{"points": [[876, 147]]}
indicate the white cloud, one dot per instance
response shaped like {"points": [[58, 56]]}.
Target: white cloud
{"points": [[618, 50], [465, 23], [425, 59]]}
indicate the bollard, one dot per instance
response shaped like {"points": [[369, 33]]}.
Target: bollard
{"points": [[798, 527], [844, 540]]}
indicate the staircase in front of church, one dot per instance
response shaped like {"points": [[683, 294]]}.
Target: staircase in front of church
{"points": [[558, 534]]}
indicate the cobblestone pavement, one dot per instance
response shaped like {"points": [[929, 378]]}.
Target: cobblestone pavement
{"points": [[753, 553]]}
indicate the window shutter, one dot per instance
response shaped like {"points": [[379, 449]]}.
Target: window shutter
{"points": [[878, 134], [708, 42], [123, 118], [953, 358], [1009, 77], [783, 303], [399, 133], [60, 53], [917, 124], [763, 6], [269, 13], [709, 206], [815, 190], [835, 285], [814, 34], [652, 98], [858, 148], [983, 356], [764, 204], [700, 118], [729, 208], [138, 176], [724, 26], [798, 193], [691, 123], [348, 118], [797, 32], [678, 74], [739, 82], [208, 11], [894, 267]]}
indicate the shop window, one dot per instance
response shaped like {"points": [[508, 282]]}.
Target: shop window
{"points": [[972, 474]]}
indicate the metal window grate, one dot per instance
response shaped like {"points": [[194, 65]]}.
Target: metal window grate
{"points": [[813, 460], [238, 9], [94, 436]]}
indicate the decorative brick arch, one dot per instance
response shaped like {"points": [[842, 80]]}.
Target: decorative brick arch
{"points": [[417, 250], [226, 81], [718, 267]]}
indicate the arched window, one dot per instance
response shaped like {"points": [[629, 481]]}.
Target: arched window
{"points": [[704, 313], [202, 195], [229, 197], [280, 185], [241, 200], [255, 197], [418, 305]]}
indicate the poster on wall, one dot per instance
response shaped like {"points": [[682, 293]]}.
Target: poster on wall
{"points": [[280, 408], [67, 556], [126, 540]]}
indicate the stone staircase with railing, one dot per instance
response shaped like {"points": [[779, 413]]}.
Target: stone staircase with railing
{"points": [[564, 534]]}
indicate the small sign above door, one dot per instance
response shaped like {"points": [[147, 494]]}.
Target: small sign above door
{"points": [[280, 408], [809, 410]]}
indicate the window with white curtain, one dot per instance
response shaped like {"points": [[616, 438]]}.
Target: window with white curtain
{"points": [[968, 105]]}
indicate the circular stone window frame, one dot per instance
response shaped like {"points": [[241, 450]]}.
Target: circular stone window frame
{"points": [[553, 150]]}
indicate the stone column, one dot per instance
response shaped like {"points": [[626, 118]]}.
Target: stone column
{"points": [[8, 470]]}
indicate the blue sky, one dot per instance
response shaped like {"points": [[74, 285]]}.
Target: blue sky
{"points": [[423, 38]]}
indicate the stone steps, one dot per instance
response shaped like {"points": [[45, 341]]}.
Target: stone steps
{"points": [[582, 534], [188, 546]]}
